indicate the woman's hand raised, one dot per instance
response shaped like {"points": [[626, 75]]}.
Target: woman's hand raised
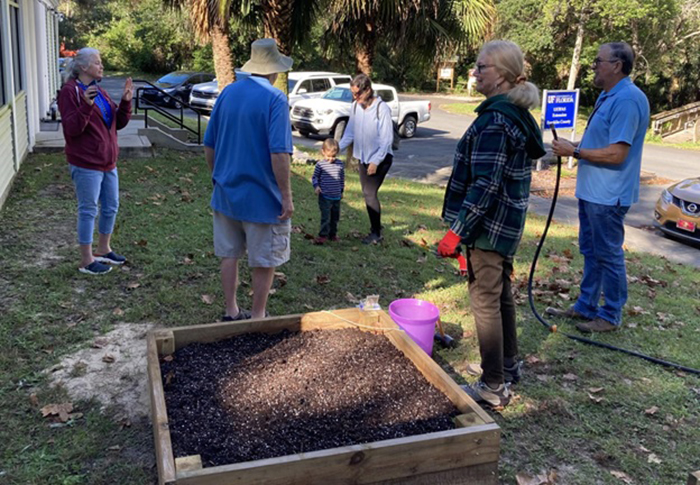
{"points": [[128, 90]]}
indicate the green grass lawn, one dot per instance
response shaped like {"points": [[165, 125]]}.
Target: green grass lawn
{"points": [[587, 412], [582, 119]]}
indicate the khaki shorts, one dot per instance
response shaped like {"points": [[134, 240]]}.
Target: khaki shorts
{"points": [[267, 244]]}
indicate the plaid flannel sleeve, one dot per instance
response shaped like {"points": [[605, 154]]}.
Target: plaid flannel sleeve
{"points": [[489, 155]]}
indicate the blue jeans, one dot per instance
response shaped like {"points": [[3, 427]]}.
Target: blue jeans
{"points": [[91, 187], [600, 238]]}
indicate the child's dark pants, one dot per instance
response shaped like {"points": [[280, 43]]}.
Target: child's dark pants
{"points": [[330, 214]]}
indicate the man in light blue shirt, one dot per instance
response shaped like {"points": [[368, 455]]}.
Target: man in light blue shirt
{"points": [[607, 184], [247, 145]]}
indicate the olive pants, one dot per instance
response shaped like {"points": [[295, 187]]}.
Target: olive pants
{"points": [[494, 311]]}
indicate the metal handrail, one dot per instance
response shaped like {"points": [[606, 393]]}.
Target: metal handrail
{"points": [[150, 106]]}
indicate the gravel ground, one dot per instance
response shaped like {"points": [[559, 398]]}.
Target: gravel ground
{"points": [[259, 396]]}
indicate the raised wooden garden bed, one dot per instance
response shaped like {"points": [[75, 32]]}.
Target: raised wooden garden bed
{"points": [[467, 454]]}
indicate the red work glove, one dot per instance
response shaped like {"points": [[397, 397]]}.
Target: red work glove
{"points": [[447, 248]]}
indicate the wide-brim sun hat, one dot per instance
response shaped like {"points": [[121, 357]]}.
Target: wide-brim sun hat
{"points": [[266, 59]]}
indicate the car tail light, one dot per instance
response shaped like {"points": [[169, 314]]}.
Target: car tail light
{"points": [[430, 106]]}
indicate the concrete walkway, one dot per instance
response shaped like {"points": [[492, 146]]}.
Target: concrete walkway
{"points": [[131, 144]]}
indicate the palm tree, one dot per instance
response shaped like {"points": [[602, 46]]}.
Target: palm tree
{"points": [[477, 18], [210, 19], [422, 26]]}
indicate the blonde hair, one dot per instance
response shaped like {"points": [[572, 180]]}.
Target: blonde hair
{"points": [[509, 61], [81, 59], [330, 146]]}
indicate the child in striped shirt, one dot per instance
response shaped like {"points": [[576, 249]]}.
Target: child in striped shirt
{"points": [[329, 184]]}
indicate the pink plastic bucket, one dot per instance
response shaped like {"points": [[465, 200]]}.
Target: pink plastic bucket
{"points": [[418, 319]]}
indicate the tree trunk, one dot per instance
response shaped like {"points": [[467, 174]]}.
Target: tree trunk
{"points": [[365, 47], [223, 61], [277, 23], [576, 58]]}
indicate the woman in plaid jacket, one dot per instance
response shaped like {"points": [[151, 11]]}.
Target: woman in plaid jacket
{"points": [[486, 204]]}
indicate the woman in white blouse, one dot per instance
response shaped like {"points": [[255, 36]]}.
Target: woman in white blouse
{"points": [[371, 132]]}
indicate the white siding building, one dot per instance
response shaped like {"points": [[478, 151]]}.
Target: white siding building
{"points": [[29, 79]]}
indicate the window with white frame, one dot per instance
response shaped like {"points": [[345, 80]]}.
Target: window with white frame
{"points": [[3, 84], [15, 36]]}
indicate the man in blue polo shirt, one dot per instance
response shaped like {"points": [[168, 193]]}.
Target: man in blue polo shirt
{"points": [[248, 146], [607, 184]]}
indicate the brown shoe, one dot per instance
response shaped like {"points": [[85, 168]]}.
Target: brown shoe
{"points": [[568, 313], [598, 325]]}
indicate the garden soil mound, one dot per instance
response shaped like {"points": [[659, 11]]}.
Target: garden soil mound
{"points": [[259, 396]]}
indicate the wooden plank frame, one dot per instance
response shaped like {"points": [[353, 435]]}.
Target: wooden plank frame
{"points": [[467, 454], [694, 478]]}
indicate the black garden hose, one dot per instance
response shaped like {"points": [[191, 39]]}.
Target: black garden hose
{"points": [[553, 328]]}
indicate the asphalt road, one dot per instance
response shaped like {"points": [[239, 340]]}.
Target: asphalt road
{"points": [[428, 156]]}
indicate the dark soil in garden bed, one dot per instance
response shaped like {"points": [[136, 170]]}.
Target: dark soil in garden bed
{"points": [[260, 396]]}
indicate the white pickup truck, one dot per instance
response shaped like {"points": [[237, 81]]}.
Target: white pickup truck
{"points": [[329, 114]]}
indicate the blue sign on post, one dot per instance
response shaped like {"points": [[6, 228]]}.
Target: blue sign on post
{"points": [[560, 109]]}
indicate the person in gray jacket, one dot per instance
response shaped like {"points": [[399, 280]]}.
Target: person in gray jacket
{"points": [[370, 130]]}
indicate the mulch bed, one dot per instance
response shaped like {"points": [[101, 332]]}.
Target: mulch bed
{"points": [[259, 396]]}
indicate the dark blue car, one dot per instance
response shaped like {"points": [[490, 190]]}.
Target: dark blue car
{"points": [[178, 85]]}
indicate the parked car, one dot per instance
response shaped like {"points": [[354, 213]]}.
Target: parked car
{"points": [[302, 85], [311, 85], [677, 211], [203, 96], [177, 84], [329, 114]]}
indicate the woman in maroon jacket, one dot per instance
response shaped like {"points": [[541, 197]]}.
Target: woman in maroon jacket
{"points": [[90, 122]]}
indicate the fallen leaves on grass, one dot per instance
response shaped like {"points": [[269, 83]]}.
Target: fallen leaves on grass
{"points": [[651, 411], [621, 475], [99, 343], [133, 285], [595, 399], [108, 359], [595, 390], [351, 298], [208, 299], [637, 310], [652, 458], [281, 278], [62, 410], [323, 279], [545, 478], [118, 312], [570, 377], [532, 359]]}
